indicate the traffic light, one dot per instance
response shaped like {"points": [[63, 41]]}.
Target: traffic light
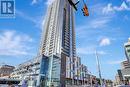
{"points": [[85, 11]]}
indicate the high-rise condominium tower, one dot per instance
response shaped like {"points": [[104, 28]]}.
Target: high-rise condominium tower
{"points": [[58, 37], [58, 31]]}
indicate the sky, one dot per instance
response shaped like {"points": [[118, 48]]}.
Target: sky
{"points": [[105, 30]]}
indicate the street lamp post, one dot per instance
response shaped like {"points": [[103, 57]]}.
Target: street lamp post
{"points": [[91, 81], [98, 66]]}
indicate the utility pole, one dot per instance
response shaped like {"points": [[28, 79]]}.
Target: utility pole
{"points": [[98, 66]]}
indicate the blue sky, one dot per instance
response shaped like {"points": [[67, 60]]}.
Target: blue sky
{"points": [[106, 29]]}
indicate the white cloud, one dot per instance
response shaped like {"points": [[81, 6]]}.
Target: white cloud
{"points": [[37, 21], [101, 52], [49, 2], [122, 7], [89, 50], [13, 44], [105, 42], [110, 8], [115, 62], [96, 9], [34, 2], [99, 22], [85, 50], [95, 23], [25, 16]]}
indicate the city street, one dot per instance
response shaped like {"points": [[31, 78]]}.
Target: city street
{"points": [[65, 43]]}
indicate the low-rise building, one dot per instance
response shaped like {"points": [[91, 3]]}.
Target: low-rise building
{"points": [[41, 71], [125, 64], [123, 76], [46, 71], [126, 75], [118, 78], [127, 50], [6, 70], [126, 71]]}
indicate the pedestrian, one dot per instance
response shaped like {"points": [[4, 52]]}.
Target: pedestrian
{"points": [[24, 84], [103, 84]]}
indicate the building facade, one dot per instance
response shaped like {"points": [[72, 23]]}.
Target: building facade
{"points": [[125, 64], [41, 71], [58, 31], [127, 50], [6, 70], [45, 71], [124, 73]]}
